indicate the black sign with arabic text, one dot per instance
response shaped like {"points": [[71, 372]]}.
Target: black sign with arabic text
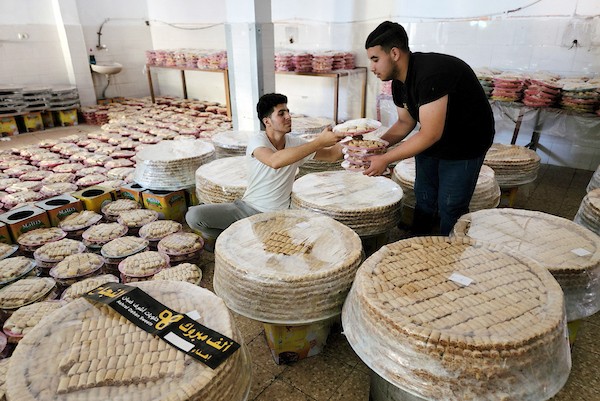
{"points": [[179, 330]]}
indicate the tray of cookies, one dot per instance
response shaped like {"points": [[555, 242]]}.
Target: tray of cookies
{"points": [[99, 234], [32, 240], [181, 247], [12, 269], [452, 318], [77, 267], [360, 126], [513, 165], [157, 230], [188, 272], [7, 250], [115, 251], [287, 267], [151, 369], [135, 219], [26, 317], [142, 266], [568, 251], [76, 224], [48, 255], [25, 291], [78, 289], [111, 210]]}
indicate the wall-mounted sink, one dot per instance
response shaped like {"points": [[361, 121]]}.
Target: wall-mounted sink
{"points": [[107, 68]]}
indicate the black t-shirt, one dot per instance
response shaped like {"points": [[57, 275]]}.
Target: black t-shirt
{"points": [[469, 127]]}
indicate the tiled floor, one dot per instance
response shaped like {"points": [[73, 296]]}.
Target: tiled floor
{"points": [[337, 373]]}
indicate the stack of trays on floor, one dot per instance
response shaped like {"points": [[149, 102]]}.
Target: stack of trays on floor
{"points": [[508, 87], [38, 368], [64, 98], [231, 143], [580, 97], [222, 180], [11, 100], [171, 165], [288, 267], [486, 195], [37, 98], [594, 181], [309, 125], [368, 205], [588, 214], [513, 165], [452, 319], [568, 251]]}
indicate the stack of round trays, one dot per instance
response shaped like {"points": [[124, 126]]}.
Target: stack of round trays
{"points": [[486, 195], [508, 87], [171, 165], [222, 180], [37, 98], [513, 165], [64, 98], [368, 205], [231, 143], [288, 267], [309, 125], [594, 181], [588, 214], [568, 251], [434, 315], [580, 97], [486, 79], [11, 100]]}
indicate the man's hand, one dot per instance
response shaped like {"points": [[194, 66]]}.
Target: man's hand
{"points": [[329, 138], [378, 165]]}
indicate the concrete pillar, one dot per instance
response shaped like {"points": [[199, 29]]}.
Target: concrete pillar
{"points": [[250, 52]]}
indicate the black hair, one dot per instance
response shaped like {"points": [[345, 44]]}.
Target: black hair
{"points": [[266, 104], [387, 35]]}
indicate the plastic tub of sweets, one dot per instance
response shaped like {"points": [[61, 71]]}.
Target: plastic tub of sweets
{"points": [[117, 250], [157, 230], [77, 223], [142, 266], [24, 292], [76, 267], [181, 247], [49, 255], [26, 317]]}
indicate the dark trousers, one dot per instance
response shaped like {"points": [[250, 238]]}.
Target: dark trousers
{"points": [[444, 187]]}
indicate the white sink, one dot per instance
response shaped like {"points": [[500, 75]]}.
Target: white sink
{"points": [[107, 68]]}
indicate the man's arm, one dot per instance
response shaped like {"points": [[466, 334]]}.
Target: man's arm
{"points": [[401, 128], [287, 156], [432, 117]]}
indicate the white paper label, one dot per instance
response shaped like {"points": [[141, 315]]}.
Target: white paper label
{"points": [[194, 315], [460, 279], [178, 342], [581, 252], [304, 224]]}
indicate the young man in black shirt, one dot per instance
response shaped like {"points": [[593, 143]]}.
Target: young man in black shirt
{"points": [[442, 93]]}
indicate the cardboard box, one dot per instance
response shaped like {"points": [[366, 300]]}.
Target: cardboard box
{"points": [[292, 343], [59, 207], [4, 234], [191, 196], [170, 205], [133, 191], [573, 328], [8, 126], [67, 117], [95, 197], [33, 121], [24, 219]]}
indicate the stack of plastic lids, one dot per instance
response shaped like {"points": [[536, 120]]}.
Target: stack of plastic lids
{"points": [[486, 195], [588, 214], [222, 180], [513, 165], [508, 87], [150, 57], [570, 252], [368, 205], [36, 98], [171, 165], [542, 90], [231, 143], [64, 98], [452, 319], [286, 267], [38, 368], [349, 60], [486, 79], [579, 96], [11, 99], [302, 62], [212, 60], [594, 181], [284, 61], [309, 125], [322, 62]]}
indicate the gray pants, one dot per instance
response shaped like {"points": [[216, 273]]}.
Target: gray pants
{"points": [[212, 219]]}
